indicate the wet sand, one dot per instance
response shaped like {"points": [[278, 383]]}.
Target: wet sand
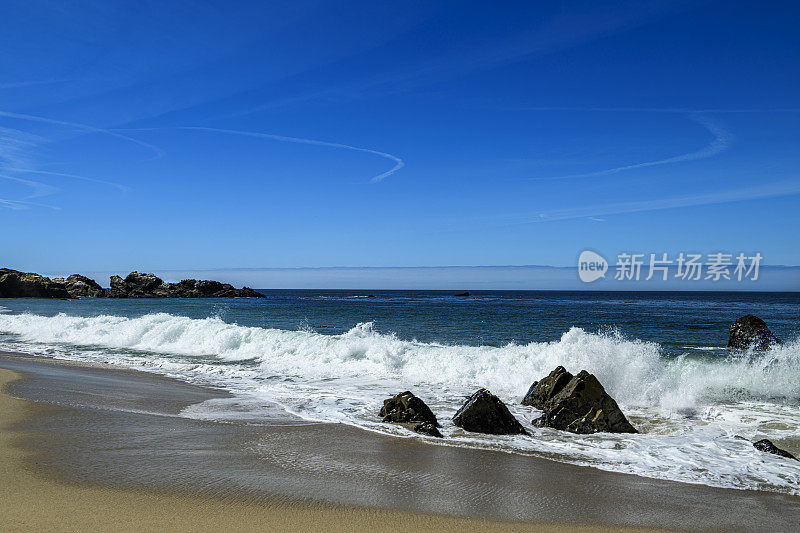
{"points": [[112, 445]]}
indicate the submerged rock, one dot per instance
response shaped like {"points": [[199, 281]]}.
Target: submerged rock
{"points": [[484, 412], [427, 428], [766, 445], [407, 409], [16, 284], [751, 332], [81, 286], [578, 404]]}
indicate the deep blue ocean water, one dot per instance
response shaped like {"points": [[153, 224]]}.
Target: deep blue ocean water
{"points": [[676, 320]]}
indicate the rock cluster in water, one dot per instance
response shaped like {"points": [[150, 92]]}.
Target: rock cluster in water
{"points": [[573, 403], [751, 332], [578, 404], [15, 284]]}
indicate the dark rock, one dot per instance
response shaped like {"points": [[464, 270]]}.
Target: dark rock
{"points": [[484, 412], [405, 407], [138, 285], [578, 404], [411, 412], [117, 288], [751, 332], [766, 445], [427, 428], [16, 284], [461, 294], [247, 292], [542, 392], [81, 287]]}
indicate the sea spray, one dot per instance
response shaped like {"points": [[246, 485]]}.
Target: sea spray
{"points": [[635, 372]]}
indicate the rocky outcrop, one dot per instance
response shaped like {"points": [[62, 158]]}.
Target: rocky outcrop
{"points": [[410, 411], [766, 445], [141, 285], [16, 284], [578, 404], [484, 412], [81, 287], [751, 332], [193, 288]]}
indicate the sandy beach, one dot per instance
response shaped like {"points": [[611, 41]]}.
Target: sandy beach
{"points": [[32, 499], [100, 448]]}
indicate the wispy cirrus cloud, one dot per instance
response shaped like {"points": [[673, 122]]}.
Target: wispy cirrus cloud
{"points": [[16, 147], [158, 152], [31, 83], [39, 189], [565, 29], [121, 187], [767, 190]]}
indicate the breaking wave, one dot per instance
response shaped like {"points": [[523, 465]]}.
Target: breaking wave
{"points": [[689, 408], [634, 372]]}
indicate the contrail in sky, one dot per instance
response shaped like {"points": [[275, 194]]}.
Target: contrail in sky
{"points": [[398, 163], [721, 143]]}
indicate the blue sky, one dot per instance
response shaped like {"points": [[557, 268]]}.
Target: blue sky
{"points": [[218, 135]]}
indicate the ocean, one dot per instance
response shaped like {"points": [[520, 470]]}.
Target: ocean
{"points": [[335, 355]]}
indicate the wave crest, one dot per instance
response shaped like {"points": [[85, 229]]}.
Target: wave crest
{"points": [[635, 372]]}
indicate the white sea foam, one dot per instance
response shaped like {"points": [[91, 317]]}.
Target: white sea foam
{"points": [[689, 408]]}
